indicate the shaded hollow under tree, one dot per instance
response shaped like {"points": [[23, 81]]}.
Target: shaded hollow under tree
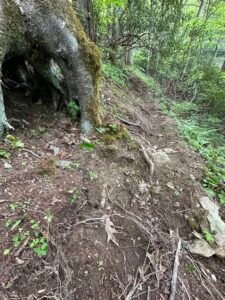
{"points": [[45, 30]]}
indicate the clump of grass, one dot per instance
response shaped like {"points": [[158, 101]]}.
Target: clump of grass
{"points": [[113, 132], [21, 229], [202, 131], [115, 74], [148, 80]]}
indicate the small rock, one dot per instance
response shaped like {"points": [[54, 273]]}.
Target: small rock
{"points": [[177, 204], [192, 177], [54, 149], [160, 158], [7, 166], [202, 248], [214, 278], [169, 151], [41, 291], [19, 261], [170, 185], [209, 205]]}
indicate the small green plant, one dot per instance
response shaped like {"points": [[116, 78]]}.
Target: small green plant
{"points": [[73, 110], [21, 236], [191, 268], [8, 223], [14, 142], [13, 206], [74, 198], [40, 246], [76, 165], [200, 131], [25, 204], [100, 264], [16, 224], [88, 146], [35, 227], [208, 236], [6, 251], [30, 230], [48, 216], [93, 175], [101, 130], [113, 127], [222, 198], [115, 74], [4, 154]]}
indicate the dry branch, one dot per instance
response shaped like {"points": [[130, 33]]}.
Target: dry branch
{"points": [[175, 271], [129, 123]]}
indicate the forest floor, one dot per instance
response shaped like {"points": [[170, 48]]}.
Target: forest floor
{"points": [[111, 214]]}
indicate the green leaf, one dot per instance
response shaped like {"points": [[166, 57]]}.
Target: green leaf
{"points": [[93, 175], [210, 192], [14, 142], [222, 199], [87, 146], [6, 251], [208, 236], [49, 216], [8, 223], [101, 129], [18, 144], [17, 223], [4, 154], [13, 206]]}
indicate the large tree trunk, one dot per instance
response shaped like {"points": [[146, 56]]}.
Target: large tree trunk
{"points": [[41, 30]]}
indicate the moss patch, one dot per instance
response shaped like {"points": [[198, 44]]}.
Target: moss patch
{"points": [[47, 166], [113, 132]]}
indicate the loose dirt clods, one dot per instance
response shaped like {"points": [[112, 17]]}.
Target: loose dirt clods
{"points": [[114, 221]]}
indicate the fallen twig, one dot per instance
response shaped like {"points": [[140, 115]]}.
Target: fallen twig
{"points": [[31, 152], [149, 161], [3, 201], [129, 123], [185, 289], [175, 271], [17, 253], [149, 292]]}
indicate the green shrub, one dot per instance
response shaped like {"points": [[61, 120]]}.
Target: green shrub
{"points": [[140, 59], [73, 110], [212, 89], [202, 132], [115, 74], [148, 80]]}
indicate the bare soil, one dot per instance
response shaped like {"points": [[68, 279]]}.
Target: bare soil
{"points": [[117, 237]]}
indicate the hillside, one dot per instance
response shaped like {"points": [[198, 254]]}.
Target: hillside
{"points": [[103, 217]]}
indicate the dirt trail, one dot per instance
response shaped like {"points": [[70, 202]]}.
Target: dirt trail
{"points": [[115, 214]]}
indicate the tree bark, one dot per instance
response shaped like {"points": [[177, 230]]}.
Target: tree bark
{"points": [[85, 11], [40, 30]]}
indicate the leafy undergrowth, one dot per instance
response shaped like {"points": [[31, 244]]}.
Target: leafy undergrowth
{"points": [[151, 83], [205, 133], [115, 74]]}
